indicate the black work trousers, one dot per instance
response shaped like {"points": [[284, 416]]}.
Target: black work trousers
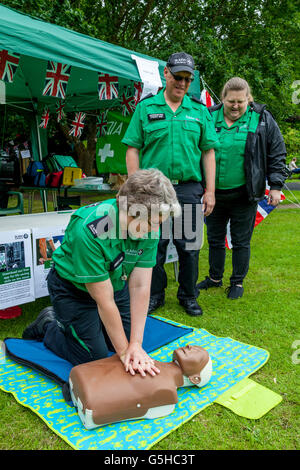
{"points": [[78, 334], [234, 208], [186, 232]]}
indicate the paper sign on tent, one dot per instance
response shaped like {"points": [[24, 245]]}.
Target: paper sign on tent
{"points": [[149, 73]]}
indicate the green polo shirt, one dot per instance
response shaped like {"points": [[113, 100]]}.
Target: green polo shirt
{"points": [[93, 250], [171, 141], [230, 172]]}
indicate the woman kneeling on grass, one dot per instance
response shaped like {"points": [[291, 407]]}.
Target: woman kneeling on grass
{"points": [[99, 285]]}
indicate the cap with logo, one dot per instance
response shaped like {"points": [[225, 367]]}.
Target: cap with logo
{"points": [[180, 61]]}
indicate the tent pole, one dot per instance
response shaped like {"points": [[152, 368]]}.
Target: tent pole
{"points": [[43, 192]]}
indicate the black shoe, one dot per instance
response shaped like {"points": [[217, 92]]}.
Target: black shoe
{"points": [[191, 307], [207, 283], [234, 292], [37, 329], [155, 303]]}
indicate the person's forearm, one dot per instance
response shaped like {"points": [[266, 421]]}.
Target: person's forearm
{"points": [[102, 293], [139, 288], [209, 165], [139, 303], [132, 160], [111, 319]]}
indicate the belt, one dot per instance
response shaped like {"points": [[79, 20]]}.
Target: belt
{"points": [[176, 182], [239, 189]]}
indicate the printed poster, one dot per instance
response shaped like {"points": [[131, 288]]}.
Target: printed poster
{"points": [[16, 273], [45, 241]]}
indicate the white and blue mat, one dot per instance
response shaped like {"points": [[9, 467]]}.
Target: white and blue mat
{"points": [[232, 361]]}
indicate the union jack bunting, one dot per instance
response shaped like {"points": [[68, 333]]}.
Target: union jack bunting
{"points": [[9, 62], [77, 125], [263, 210], [57, 76], [138, 92], [108, 86], [60, 110], [45, 118], [128, 104], [102, 124]]}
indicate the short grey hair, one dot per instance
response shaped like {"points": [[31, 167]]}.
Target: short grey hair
{"points": [[152, 189]]}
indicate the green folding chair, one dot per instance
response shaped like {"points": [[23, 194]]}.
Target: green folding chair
{"points": [[18, 209]]}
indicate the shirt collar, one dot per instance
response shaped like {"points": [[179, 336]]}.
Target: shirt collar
{"points": [[242, 119], [160, 100]]}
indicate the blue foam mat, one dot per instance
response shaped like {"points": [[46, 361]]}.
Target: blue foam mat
{"points": [[157, 333], [232, 362]]}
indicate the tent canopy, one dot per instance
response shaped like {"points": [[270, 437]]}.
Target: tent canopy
{"points": [[37, 42]]}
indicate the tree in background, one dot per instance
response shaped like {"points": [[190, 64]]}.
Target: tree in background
{"points": [[255, 39]]}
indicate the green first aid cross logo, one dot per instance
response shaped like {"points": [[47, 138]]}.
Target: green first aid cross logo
{"points": [[105, 152], [110, 152]]}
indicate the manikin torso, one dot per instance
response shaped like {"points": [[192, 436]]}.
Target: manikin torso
{"points": [[104, 392]]}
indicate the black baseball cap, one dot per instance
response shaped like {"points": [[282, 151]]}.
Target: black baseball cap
{"points": [[180, 61]]}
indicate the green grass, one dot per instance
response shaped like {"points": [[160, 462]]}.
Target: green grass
{"points": [[266, 316], [292, 196]]}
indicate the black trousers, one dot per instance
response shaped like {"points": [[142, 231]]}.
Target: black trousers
{"points": [[185, 235], [241, 213], [78, 335]]}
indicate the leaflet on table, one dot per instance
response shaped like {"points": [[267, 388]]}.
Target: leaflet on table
{"points": [[45, 240], [16, 271]]}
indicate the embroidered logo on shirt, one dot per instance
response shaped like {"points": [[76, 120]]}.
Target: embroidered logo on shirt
{"points": [[156, 117], [192, 117], [140, 252], [100, 226]]}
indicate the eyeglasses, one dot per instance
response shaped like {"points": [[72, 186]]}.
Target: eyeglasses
{"points": [[178, 78]]}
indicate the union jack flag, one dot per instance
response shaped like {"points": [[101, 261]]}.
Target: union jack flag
{"points": [[108, 86], [263, 210], [102, 124], [9, 62], [57, 76], [60, 110], [77, 125], [128, 104], [45, 118], [138, 92]]}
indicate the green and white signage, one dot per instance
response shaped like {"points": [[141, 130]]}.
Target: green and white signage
{"points": [[110, 152]]}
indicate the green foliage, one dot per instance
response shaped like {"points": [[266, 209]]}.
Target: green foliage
{"points": [[250, 38], [292, 141]]}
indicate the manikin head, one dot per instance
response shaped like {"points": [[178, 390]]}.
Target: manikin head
{"points": [[195, 364]]}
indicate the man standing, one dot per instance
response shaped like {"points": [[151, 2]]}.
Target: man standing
{"points": [[173, 132]]}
